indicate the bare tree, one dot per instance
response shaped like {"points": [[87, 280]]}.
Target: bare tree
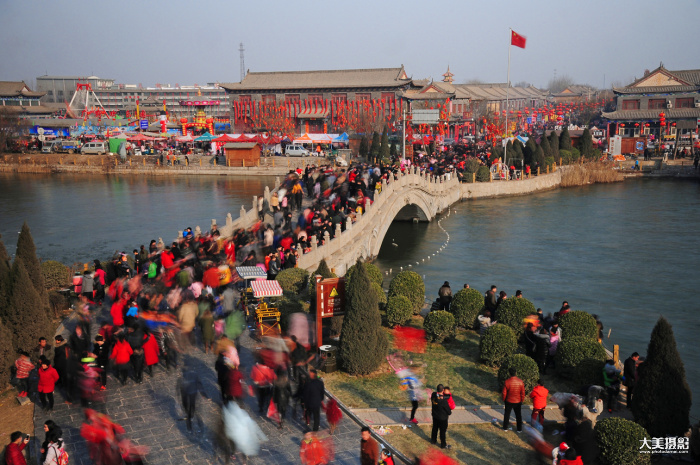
{"points": [[474, 82], [559, 83], [522, 84]]}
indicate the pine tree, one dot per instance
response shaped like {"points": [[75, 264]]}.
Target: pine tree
{"points": [[384, 147], [363, 343], [25, 316], [539, 157], [546, 148], [554, 145], [26, 250], [7, 353], [586, 144], [529, 151], [565, 140], [662, 397], [392, 150], [325, 273], [364, 147], [374, 148], [4, 276]]}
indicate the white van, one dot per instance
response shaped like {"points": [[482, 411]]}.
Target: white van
{"points": [[99, 148], [296, 150]]}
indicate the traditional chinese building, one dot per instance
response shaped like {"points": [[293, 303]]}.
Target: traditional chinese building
{"points": [[662, 104], [314, 101], [17, 98]]}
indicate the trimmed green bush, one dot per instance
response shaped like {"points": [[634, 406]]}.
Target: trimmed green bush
{"points": [[410, 285], [363, 342], [497, 343], [465, 306], [373, 273], [589, 371], [286, 306], [56, 275], [7, 355], [513, 311], [483, 174], [439, 325], [336, 325], [293, 280], [527, 371], [578, 323], [548, 162], [620, 440], [398, 310], [571, 352], [381, 295], [26, 250]]}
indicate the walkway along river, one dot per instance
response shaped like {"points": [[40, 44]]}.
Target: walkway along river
{"points": [[627, 251]]}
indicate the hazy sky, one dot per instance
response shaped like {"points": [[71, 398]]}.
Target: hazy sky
{"points": [[187, 42]]}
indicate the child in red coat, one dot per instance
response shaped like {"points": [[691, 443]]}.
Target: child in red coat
{"points": [[333, 414], [121, 354], [150, 353]]}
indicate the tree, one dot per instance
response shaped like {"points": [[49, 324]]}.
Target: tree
{"points": [[554, 144], [546, 148], [586, 144], [26, 250], [374, 148], [565, 139], [364, 147], [11, 126], [558, 84], [529, 151], [363, 343], [662, 398], [5, 282], [7, 354], [384, 147], [393, 150], [539, 156], [25, 316]]}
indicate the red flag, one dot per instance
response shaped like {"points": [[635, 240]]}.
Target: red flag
{"points": [[517, 40]]}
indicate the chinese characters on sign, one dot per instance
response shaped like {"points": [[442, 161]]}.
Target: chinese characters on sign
{"points": [[670, 445], [330, 298]]}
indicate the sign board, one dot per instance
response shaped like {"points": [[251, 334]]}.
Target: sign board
{"points": [[425, 116], [41, 137], [40, 131], [330, 301], [144, 124], [615, 145], [639, 145], [529, 120]]}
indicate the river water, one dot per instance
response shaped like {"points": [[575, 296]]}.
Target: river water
{"points": [[628, 252]]}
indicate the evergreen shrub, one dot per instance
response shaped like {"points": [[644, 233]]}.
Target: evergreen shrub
{"points": [[526, 367], [439, 325], [56, 275], [381, 295], [589, 371], [619, 441], [511, 312], [7, 355], [548, 162], [373, 272], [363, 342], [398, 310], [410, 285], [497, 343], [578, 323], [465, 306], [293, 280], [483, 174], [572, 351]]}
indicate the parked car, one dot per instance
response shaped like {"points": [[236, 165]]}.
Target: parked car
{"points": [[296, 150], [99, 148], [49, 146], [67, 146]]}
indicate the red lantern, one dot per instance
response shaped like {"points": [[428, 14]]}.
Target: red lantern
{"points": [[636, 125], [646, 125], [622, 125]]}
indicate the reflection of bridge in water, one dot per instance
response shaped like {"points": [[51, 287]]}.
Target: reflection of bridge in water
{"points": [[411, 197]]}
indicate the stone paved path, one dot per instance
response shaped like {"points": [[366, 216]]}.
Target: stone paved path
{"points": [[152, 415]]}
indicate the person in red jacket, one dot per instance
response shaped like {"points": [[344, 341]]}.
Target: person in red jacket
{"points": [[513, 396], [234, 385], [121, 354], [539, 402], [570, 458], [48, 376], [13, 451], [118, 309], [150, 353]]}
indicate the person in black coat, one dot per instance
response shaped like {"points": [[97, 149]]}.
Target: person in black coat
{"points": [[630, 374], [281, 392], [101, 351], [222, 370], [312, 396], [441, 412]]}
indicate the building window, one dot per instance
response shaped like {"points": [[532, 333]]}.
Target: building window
{"points": [[291, 99], [269, 99], [685, 102], [340, 98], [315, 98], [388, 96], [245, 99], [657, 103], [630, 104], [363, 97]]}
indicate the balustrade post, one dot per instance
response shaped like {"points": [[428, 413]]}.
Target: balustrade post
{"points": [[242, 211], [338, 230], [314, 243], [348, 224], [367, 204], [229, 218], [326, 237]]}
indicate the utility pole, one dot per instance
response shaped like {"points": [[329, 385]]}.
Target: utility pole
{"points": [[242, 54]]}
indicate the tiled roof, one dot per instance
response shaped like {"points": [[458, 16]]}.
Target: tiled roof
{"points": [[672, 113], [330, 79], [498, 92], [655, 90], [17, 88]]}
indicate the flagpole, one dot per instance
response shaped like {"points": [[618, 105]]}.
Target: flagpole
{"points": [[505, 147]]}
